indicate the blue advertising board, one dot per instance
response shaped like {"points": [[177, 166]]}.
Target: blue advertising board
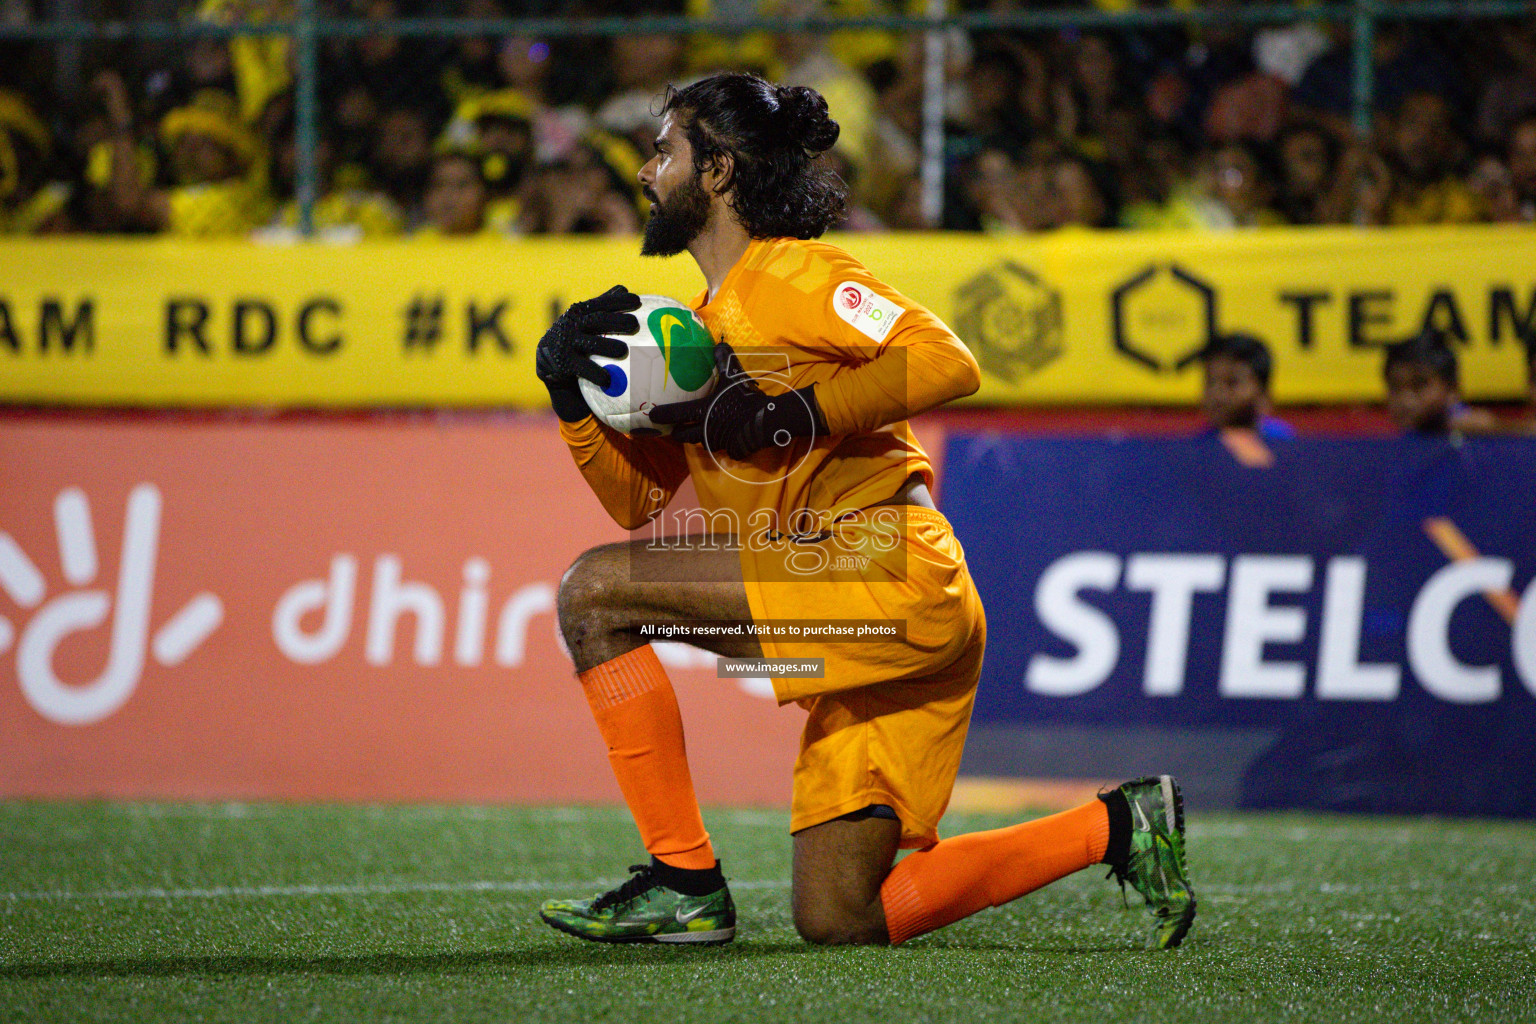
{"points": [[1371, 601]]}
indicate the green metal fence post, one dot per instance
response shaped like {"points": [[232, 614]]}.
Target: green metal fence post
{"points": [[307, 116], [931, 164], [1363, 92]]}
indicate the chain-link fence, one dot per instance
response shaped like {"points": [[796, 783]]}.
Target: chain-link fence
{"points": [[298, 118]]}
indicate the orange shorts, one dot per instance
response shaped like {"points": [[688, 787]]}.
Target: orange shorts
{"points": [[887, 722]]}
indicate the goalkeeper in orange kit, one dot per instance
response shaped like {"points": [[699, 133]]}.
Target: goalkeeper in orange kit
{"points": [[804, 448]]}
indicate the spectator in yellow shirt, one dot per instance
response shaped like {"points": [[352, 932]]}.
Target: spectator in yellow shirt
{"points": [[343, 212], [215, 162], [30, 204], [593, 191], [456, 197], [1426, 151]]}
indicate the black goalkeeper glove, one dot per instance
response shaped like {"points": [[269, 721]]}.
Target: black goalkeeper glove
{"points": [[737, 417], [565, 351]]}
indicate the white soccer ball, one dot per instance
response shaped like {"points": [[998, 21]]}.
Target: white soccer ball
{"points": [[671, 359]]}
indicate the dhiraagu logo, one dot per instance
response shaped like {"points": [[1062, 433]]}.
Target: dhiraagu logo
{"points": [[46, 625], [685, 345]]}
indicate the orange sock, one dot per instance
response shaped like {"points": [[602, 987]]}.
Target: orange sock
{"points": [[959, 876], [636, 711]]}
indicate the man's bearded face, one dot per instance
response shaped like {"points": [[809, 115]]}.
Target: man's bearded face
{"points": [[676, 221]]}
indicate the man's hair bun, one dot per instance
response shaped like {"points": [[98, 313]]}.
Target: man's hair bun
{"points": [[764, 139], [805, 118]]}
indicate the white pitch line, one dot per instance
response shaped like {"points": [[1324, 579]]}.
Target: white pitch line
{"points": [[228, 892], [1303, 834], [248, 892], [1257, 889]]}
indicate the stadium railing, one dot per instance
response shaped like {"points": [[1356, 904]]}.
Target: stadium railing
{"points": [[308, 27]]}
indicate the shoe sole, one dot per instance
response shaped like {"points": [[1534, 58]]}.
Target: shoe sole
{"points": [[1173, 797], [717, 937]]}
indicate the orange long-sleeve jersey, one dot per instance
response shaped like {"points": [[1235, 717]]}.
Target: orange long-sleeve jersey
{"points": [[797, 313]]}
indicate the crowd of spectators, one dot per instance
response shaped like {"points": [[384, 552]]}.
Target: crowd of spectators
{"points": [[1183, 126]]}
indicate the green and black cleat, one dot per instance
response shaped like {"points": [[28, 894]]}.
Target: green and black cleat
{"points": [[1156, 867], [644, 910]]}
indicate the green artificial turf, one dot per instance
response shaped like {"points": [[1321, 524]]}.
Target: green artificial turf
{"points": [[258, 912]]}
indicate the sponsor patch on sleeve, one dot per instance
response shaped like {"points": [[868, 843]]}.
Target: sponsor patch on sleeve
{"points": [[871, 314]]}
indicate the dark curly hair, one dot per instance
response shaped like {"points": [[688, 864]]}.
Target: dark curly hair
{"points": [[1431, 349], [773, 135]]}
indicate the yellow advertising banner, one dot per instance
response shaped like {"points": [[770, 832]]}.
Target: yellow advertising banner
{"points": [[1072, 317]]}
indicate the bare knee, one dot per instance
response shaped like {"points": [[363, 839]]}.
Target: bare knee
{"points": [[841, 926], [838, 870], [586, 602], [583, 588]]}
